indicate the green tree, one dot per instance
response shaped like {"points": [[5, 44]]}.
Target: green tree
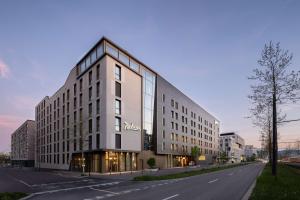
{"points": [[151, 162], [223, 157], [195, 153]]}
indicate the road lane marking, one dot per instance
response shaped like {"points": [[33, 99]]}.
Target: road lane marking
{"points": [[23, 182], [60, 183], [103, 191], [213, 181], [73, 188], [230, 174], [170, 197]]}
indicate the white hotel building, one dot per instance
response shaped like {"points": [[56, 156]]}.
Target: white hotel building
{"points": [[113, 113]]}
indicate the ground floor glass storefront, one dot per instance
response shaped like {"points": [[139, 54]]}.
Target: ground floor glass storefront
{"points": [[103, 162]]}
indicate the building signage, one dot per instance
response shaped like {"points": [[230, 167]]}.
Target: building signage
{"points": [[130, 126]]}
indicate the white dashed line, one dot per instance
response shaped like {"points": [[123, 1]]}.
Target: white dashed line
{"points": [[103, 191], [230, 174], [213, 181], [170, 197]]}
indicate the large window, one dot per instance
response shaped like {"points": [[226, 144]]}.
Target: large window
{"points": [[118, 89], [90, 77], [124, 58], [118, 124], [98, 106], [98, 141], [90, 109], [90, 93], [118, 141], [118, 72], [98, 89], [90, 126], [118, 107], [112, 50], [90, 142], [98, 124]]}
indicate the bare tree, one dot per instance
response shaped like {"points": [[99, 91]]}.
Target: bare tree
{"points": [[274, 85]]}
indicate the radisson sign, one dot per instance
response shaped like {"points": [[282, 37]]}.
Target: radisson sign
{"points": [[130, 126]]}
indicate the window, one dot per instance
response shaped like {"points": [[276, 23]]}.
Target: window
{"points": [[90, 93], [163, 98], [124, 58], [100, 50], [98, 72], [75, 103], [117, 72], [90, 109], [98, 124], [118, 107], [88, 61], [118, 124], [75, 145], [98, 89], [75, 89], [90, 126], [98, 141], [172, 103], [118, 141], [90, 142], [111, 50], [134, 65], [93, 56], [98, 106], [90, 77], [80, 85], [118, 89], [68, 95], [80, 100]]}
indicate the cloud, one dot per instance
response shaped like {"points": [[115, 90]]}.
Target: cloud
{"points": [[10, 121], [4, 69]]}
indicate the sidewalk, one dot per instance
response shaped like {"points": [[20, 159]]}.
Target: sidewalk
{"points": [[129, 175]]}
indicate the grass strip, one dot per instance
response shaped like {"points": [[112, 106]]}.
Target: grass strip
{"points": [[12, 195], [184, 174], [285, 186]]}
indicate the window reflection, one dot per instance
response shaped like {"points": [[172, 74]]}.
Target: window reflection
{"points": [[123, 58], [112, 51]]}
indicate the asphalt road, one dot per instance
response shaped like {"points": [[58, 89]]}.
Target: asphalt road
{"points": [[229, 184]]}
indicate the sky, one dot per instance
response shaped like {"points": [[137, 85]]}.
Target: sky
{"points": [[207, 49]]}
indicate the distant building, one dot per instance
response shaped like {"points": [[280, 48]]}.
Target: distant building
{"points": [[250, 150], [23, 144], [233, 145]]}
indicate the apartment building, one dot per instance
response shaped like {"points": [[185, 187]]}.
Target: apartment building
{"points": [[114, 112], [233, 145], [23, 144]]}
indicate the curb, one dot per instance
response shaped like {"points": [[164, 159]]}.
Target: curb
{"points": [[27, 197]]}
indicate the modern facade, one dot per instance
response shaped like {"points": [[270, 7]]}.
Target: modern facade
{"points": [[113, 113], [250, 150], [23, 144], [233, 145]]}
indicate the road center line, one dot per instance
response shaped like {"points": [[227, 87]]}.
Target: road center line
{"points": [[103, 190], [230, 174], [170, 197], [213, 181]]}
